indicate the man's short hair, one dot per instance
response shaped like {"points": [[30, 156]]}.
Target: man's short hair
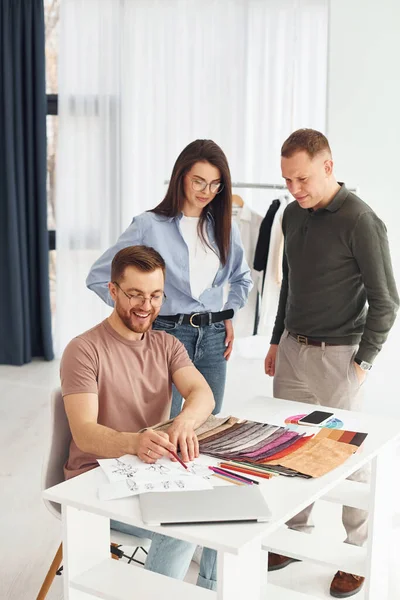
{"points": [[143, 258], [307, 140]]}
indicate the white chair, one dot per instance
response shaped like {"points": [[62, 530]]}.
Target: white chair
{"points": [[53, 473]]}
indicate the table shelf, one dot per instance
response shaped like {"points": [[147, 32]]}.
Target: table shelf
{"points": [[350, 493], [317, 549], [114, 580], [277, 592]]}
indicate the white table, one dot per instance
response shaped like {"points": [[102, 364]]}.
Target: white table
{"points": [[90, 573]]}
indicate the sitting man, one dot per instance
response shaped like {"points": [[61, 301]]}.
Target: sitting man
{"points": [[117, 379]]}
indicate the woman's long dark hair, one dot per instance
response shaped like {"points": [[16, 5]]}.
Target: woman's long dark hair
{"points": [[221, 205]]}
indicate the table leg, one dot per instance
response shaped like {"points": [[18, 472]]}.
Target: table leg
{"points": [[379, 525], [239, 575], [86, 542]]}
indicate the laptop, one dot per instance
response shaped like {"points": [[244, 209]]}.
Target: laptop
{"points": [[222, 504]]}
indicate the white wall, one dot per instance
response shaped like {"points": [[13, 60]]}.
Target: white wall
{"points": [[363, 128]]}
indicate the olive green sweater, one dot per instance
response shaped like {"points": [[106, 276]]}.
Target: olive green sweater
{"points": [[338, 284]]}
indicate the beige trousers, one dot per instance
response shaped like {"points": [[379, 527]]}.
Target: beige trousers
{"points": [[322, 375]]}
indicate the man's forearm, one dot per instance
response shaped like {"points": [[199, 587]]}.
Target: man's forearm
{"points": [[371, 251], [376, 330], [102, 441], [197, 407], [279, 325]]}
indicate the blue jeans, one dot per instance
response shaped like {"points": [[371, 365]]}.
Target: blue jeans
{"points": [[172, 557], [206, 347]]}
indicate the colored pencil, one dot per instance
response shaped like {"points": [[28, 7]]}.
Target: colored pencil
{"points": [[258, 466], [235, 474], [228, 479], [248, 478], [177, 458], [232, 475], [262, 468], [248, 471], [254, 469]]}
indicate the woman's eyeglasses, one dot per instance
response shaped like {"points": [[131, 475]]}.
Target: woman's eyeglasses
{"points": [[199, 185]]}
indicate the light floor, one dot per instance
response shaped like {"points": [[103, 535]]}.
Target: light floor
{"points": [[30, 535]]}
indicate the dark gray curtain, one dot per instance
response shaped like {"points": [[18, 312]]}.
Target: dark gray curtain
{"points": [[25, 321]]}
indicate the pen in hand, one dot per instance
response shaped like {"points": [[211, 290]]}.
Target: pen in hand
{"points": [[177, 458]]}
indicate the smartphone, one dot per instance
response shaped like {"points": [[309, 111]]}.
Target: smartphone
{"points": [[317, 418]]}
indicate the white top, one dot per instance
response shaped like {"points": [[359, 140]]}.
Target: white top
{"points": [[203, 262], [249, 223], [273, 273]]}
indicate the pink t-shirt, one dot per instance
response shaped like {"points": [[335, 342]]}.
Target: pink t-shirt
{"points": [[133, 381]]}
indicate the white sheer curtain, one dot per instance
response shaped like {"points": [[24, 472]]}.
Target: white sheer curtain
{"points": [[140, 79]]}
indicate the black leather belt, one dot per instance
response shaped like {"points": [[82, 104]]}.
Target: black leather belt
{"points": [[306, 341], [200, 319]]}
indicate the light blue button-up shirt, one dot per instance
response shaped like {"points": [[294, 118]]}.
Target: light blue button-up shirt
{"points": [[164, 235]]}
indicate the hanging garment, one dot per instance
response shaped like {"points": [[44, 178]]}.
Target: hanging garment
{"points": [[261, 257], [264, 235], [273, 274], [249, 223]]}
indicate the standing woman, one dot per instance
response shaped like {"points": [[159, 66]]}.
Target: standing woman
{"points": [[192, 229]]}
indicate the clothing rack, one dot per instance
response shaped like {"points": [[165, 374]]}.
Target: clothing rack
{"points": [[260, 186], [270, 186], [264, 186]]}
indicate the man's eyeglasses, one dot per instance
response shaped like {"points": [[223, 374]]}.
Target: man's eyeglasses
{"points": [[156, 300], [199, 185]]}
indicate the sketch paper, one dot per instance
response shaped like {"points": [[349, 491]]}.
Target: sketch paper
{"points": [[118, 469], [130, 487], [128, 476]]}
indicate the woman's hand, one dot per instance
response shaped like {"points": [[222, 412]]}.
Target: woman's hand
{"points": [[230, 335]]}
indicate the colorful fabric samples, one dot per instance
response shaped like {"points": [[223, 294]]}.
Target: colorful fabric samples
{"points": [[263, 449]]}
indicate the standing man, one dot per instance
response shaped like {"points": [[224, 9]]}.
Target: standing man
{"points": [[337, 304]]}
